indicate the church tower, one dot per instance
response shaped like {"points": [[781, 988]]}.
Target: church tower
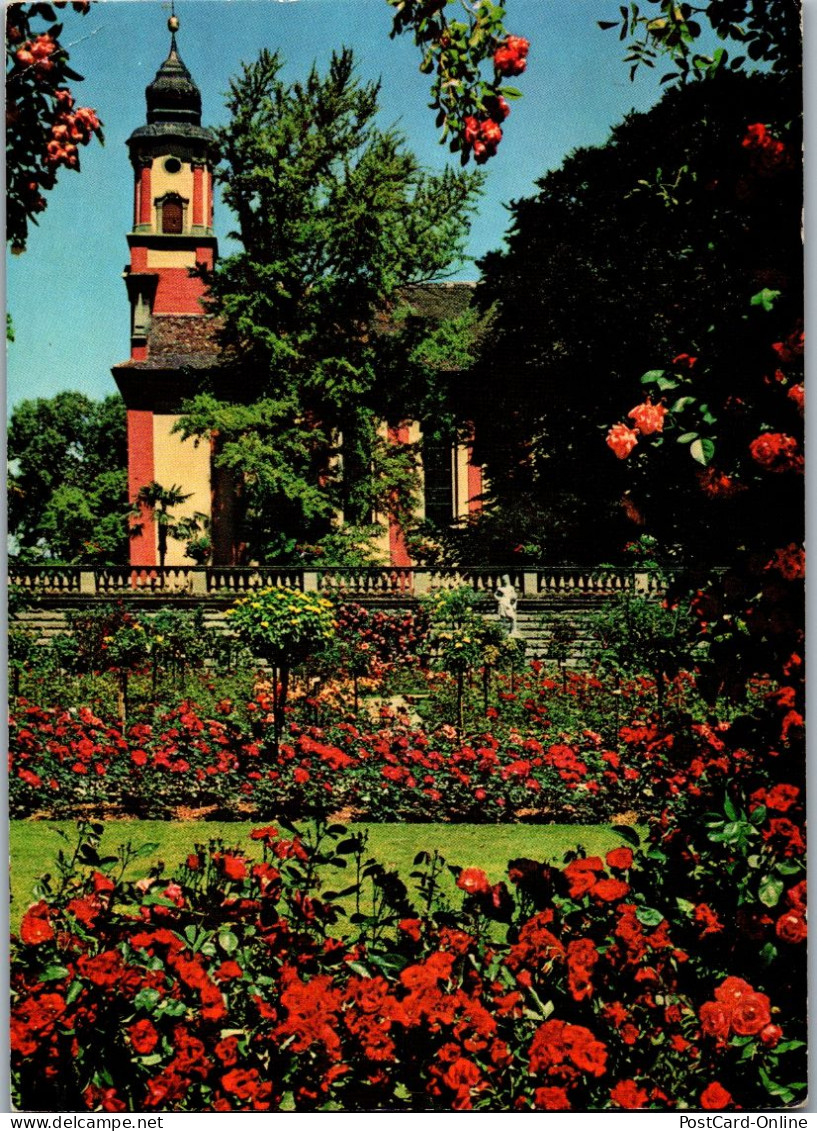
{"points": [[172, 339]]}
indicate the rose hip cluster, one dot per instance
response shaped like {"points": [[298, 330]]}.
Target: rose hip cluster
{"points": [[38, 54], [68, 131], [482, 135], [510, 58]]}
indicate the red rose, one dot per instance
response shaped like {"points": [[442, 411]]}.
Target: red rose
{"points": [[621, 440], [551, 1099], [610, 890], [227, 1051], [715, 1097], [770, 1036], [35, 927], [791, 927], [473, 881], [776, 452], [497, 108], [586, 1052], [796, 896], [627, 1094], [751, 1014], [470, 132], [490, 132], [241, 1082], [621, 858], [648, 417], [143, 1036], [715, 1018], [233, 867]]}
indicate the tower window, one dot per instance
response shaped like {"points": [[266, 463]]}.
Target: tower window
{"points": [[172, 215], [173, 165]]}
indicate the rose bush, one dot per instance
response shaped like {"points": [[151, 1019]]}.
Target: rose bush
{"points": [[535, 753], [231, 986]]}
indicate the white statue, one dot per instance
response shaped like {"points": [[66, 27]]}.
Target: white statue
{"points": [[505, 596]]}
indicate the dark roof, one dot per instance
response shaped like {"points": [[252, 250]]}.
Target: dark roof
{"points": [[180, 341], [173, 96], [439, 300], [190, 341]]}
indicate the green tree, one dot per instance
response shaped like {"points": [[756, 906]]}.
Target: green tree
{"points": [[770, 33], [67, 483], [335, 218], [615, 267]]}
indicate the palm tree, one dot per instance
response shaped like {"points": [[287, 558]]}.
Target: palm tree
{"points": [[162, 500]]}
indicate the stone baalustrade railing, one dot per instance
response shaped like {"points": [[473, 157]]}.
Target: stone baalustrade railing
{"points": [[226, 583]]}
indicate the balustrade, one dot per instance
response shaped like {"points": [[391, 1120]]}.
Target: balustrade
{"points": [[113, 581], [388, 581], [237, 580], [341, 582], [45, 580]]}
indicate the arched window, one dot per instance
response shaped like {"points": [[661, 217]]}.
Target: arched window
{"points": [[172, 215]]}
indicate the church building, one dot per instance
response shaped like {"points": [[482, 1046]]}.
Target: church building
{"points": [[173, 340]]}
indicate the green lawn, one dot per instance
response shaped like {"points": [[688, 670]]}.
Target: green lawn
{"points": [[34, 845]]}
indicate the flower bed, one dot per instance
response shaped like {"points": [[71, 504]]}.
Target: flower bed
{"points": [[521, 764], [313, 979]]}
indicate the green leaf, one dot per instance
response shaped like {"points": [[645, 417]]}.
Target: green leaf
{"points": [[685, 905], [628, 833], [768, 954], [649, 916], [653, 376], [758, 816], [770, 890], [146, 999], [765, 298], [52, 973], [227, 941], [702, 450], [687, 437], [730, 810], [74, 990], [666, 383]]}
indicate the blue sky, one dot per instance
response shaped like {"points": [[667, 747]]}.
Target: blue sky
{"points": [[66, 294]]}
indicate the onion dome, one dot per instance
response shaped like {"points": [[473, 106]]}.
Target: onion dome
{"points": [[173, 96]]}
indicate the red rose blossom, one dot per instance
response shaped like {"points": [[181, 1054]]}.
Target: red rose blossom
{"points": [[715, 1097], [628, 1095], [143, 1036], [621, 440], [648, 417]]}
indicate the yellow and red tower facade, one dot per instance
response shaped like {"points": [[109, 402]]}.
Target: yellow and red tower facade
{"points": [[174, 350], [172, 340]]}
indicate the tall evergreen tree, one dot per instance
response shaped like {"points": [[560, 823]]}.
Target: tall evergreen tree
{"points": [[335, 219]]}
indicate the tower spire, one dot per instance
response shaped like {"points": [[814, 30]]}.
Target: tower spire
{"points": [[173, 27]]}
